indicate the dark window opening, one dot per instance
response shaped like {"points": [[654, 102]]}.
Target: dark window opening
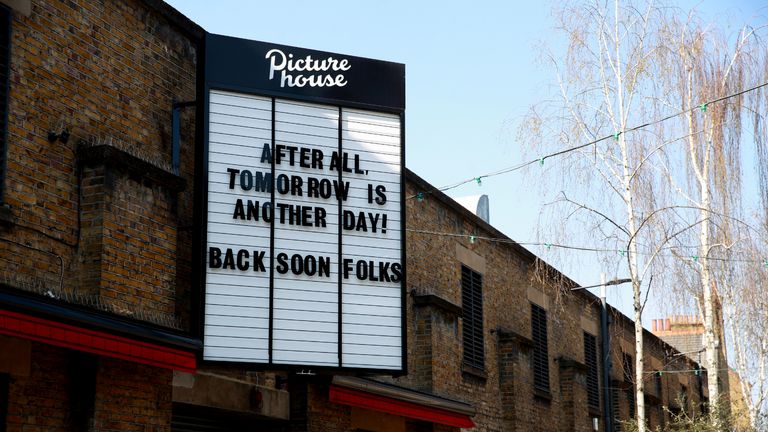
{"points": [[700, 385], [540, 349], [590, 359], [660, 413], [4, 385], [657, 382], [616, 423], [472, 308], [683, 398], [628, 368], [629, 376]]}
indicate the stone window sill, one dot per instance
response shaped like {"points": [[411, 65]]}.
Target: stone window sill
{"points": [[121, 160], [473, 372], [542, 395], [6, 216]]}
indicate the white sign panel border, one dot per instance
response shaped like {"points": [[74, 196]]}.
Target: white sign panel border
{"points": [[353, 348]]}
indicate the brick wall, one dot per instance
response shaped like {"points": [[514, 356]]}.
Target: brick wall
{"points": [[323, 416], [503, 392], [132, 397], [114, 232], [107, 72], [65, 390], [129, 236], [95, 219], [41, 401]]}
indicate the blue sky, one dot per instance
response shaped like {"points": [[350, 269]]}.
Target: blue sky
{"points": [[472, 72]]}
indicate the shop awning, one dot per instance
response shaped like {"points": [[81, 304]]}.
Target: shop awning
{"points": [[33, 317], [395, 400], [97, 342]]}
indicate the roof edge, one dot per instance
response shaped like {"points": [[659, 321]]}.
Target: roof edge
{"points": [[186, 25], [525, 253]]}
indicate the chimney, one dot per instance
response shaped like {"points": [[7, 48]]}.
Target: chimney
{"points": [[477, 204]]}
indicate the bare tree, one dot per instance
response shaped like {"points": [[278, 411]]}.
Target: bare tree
{"points": [[742, 280], [703, 66], [742, 286], [670, 185], [606, 86]]}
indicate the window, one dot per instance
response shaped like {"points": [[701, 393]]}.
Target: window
{"points": [[657, 382], [5, 72], [660, 414], [628, 368], [616, 423], [472, 307], [4, 384], [590, 359], [629, 376], [540, 350], [683, 398]]}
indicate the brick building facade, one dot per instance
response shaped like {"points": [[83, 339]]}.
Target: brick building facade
{"points": [[97, 306]]}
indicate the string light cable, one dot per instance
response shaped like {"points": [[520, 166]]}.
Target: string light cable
{"points": [[540, 160], [700, 371], [473, 238]]}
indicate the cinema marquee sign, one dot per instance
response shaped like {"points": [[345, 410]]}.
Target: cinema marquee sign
{"points": [[303, 251]]}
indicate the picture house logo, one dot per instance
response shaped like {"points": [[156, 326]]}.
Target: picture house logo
{"points": [[307, 71]]}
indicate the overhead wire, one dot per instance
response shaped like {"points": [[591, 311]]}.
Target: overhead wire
{"points": [[615, 136], [478, 179], [474, 237]]}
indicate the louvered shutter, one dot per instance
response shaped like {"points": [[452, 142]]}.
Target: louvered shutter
{"points": [[472, 306], [540, 348], [590, 359]]}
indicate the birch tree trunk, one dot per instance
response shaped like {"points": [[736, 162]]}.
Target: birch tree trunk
{"points": [[649, 189], [604, 78], [703, 67]]}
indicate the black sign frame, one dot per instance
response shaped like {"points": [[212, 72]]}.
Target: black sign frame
{"points": [[222, 61]]}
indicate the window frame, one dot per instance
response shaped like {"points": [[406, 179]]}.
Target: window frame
{"points": [[540, 358], [658, 383], [473, 341], [627, 363], [593, 374], [684, 399], [5, 382], [615, 409]]}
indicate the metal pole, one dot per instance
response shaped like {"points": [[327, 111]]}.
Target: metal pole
{"points": [[606, 352], [176, 138], [176, 133]]}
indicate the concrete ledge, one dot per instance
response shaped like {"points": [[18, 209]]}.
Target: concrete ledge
{"points": [[225, 393], [479, 374], [508, 336], [123, 161], [23, 7], [542, 395], [6, 215], [569, 363], [436, 302]]}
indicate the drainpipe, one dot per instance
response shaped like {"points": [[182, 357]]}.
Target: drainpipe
{"points": [[176, 133], [606, 352]]}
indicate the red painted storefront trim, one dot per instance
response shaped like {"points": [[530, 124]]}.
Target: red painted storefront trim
{"points": [[96, 342], [360, 399]]}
